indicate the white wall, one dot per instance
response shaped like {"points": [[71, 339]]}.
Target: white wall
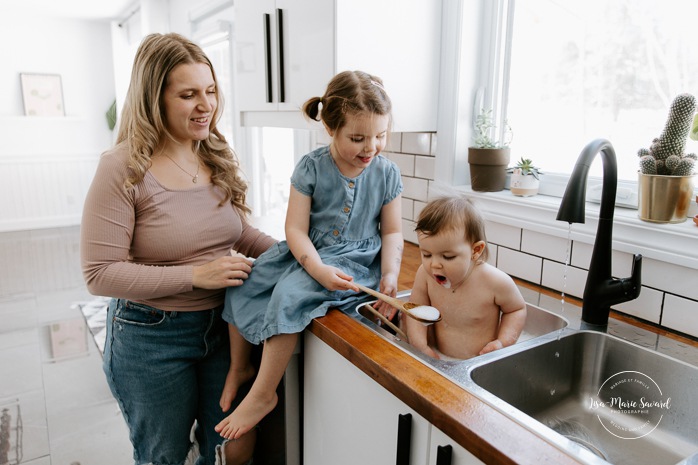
{"points": [[47, 162]]}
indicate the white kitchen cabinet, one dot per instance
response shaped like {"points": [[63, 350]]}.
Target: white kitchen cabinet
{"points": [[348, 418], [288, 50], [445, 451]]}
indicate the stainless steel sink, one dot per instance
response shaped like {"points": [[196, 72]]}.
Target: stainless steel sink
{"points": [[622, 402], [538, 321]]}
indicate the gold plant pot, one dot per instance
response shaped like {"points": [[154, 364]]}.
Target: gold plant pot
{"points": [[664, 199]]}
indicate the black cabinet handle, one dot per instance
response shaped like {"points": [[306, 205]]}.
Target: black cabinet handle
{"points": [[280, 30], [267, 51], [404, 438], [443, 455]]}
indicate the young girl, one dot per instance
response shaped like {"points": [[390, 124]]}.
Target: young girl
{"points": [[343, 224], [482, 309]]}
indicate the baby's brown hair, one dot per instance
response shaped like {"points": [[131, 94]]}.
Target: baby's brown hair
{"points": [[453, 213]]}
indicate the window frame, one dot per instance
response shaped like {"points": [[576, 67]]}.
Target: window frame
{"points": [[466, 72]]}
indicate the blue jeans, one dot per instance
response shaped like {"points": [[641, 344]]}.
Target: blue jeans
{"points": [[167, 370]]}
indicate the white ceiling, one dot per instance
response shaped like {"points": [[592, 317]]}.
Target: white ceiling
{"points": [[78, 9]]}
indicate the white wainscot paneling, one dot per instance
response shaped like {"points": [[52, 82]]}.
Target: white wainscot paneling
{"points": [[44, 191], [680, 314], [519, 264]]}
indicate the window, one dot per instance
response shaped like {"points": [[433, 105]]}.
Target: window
{"points": [[597, 69]]}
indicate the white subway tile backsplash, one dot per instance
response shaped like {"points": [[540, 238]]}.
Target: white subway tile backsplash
{"points": [[503, 234], [403, 161], [415, 188], [434, 138], [493, 251], [544, 245], [407, 208], [418, 207], [424, 167], [621, 262], [648, 306], [418, 143], [680, 314], [408, 231], [670, 278], [569, 280], [394, 142], [519, 264]]}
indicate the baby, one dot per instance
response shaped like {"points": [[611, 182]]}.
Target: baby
{"points": [[482, 309]]}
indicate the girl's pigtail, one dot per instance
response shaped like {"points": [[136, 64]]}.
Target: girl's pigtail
{"points": [[312, 108]]}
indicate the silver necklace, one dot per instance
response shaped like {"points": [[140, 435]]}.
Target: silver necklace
{"points": [[195, 177]]}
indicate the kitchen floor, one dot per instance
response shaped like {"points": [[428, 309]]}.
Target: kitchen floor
{"points": [[55, 405]]}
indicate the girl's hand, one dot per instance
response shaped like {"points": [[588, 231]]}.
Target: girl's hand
{"points": [[222, 272], [333, 279], [388, 286]]}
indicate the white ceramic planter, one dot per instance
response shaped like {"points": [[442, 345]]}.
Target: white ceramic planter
{"points": [[523, 185]]}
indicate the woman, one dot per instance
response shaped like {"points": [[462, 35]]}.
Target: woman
{"points": [[164, 233]]}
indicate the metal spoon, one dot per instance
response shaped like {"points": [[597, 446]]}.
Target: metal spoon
{"points": [[404, 307]]}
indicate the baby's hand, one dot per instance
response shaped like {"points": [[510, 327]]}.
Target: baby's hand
{"points": [[491, 347]]}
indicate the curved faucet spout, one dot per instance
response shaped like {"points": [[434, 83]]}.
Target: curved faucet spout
{"points": [[601, 289]]}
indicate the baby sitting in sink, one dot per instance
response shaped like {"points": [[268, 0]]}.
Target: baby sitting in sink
{"points": [[482, 309]]}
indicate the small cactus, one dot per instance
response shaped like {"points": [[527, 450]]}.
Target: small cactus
{"points": [[666, 153]]}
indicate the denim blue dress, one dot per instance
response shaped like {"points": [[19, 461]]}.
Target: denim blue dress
{"points": [[280, 297]]}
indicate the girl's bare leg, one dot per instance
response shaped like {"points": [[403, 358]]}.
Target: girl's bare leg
{"points": [[241, 368], [262, 396]]}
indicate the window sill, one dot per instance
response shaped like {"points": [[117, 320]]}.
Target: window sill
{"points": [[672, 243]]}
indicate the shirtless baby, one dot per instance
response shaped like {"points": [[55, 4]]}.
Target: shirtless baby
{"points": [[482, 309]]}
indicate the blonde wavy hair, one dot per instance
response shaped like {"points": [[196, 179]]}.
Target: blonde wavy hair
{"points": [[143, 125]]}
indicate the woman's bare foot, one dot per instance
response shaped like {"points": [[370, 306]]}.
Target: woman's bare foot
{"points": [[233, 381], [250, 412]]}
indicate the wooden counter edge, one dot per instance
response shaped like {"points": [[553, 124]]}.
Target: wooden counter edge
{"points": [[480, 428]]}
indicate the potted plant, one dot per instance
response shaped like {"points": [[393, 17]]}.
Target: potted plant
{"points": [[525, 178], [488, 157], [666, 174]]}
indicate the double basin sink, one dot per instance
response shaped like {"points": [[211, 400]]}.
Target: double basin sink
{"points": [[600, 398]]}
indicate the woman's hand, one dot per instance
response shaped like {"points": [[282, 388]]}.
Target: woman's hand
{"points": [[223, 272]]}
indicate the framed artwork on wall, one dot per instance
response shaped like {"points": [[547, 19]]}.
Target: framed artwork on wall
{"points": [[42, 94]]}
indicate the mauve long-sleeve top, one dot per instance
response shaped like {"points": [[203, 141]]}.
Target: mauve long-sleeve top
{"points": [[142, 244]]}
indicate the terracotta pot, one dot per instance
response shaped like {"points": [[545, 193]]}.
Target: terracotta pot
{"points": [[488, 168]]}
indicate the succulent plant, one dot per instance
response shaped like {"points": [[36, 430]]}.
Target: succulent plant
{"points": [[525, 165], [484, 130], [666, 153]]}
